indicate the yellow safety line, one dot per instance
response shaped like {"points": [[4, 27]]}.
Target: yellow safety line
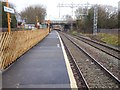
{"points": [[70, 73]]}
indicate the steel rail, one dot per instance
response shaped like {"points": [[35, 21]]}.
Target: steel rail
{"points": [[77, 67], [106, 46], [96, 62]]}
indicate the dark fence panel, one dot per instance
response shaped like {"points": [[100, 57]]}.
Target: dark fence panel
{"points": [[108, 31]]}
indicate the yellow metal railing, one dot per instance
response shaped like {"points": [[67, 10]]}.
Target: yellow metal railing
{"points": [[16, 43]]}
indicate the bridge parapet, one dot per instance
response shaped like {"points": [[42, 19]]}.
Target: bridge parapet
{"points": [[59, 21], [16, 43], [63, 22]]}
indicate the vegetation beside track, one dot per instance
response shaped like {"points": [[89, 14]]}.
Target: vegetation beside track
{"points": [[111, 39]]}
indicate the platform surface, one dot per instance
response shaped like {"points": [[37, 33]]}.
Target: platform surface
{"points": [[43, 66]]}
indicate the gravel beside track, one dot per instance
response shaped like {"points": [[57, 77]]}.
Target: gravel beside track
{"points": [[81, 82], [94, 76], [109, 62], [110, 50]]}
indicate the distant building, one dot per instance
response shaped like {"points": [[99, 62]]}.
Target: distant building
{"points": [[21, 22], [18, 17]]}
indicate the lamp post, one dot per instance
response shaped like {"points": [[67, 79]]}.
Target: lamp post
{"points": [[8, 17], [37, 22], [49, 25]]}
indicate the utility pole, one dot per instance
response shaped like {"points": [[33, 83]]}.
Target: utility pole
{"points": [[37, 22], [95, 20], [8, 17], [119, 17], [59, 9], [72, 6], [84, 6], [48, 22], [0, 15]]}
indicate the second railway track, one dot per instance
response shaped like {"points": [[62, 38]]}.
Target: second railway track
{"points": [[94, 73], [114, 52]]}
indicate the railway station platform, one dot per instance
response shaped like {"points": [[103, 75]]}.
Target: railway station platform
{"points": [[44, 66]]}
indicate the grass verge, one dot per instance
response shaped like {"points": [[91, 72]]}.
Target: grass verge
{"points": [[111, 39]]}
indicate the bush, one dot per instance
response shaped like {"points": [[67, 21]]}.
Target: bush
{"points": [[109, 38], [74, 32]]}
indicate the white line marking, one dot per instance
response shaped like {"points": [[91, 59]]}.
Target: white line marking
{"points": [[58, 45], [70, 73]]}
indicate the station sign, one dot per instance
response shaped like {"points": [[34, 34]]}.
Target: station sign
{"points": [[3, 0], [10, 10]]}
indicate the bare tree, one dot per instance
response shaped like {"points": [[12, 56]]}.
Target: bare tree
{"points": [[107, 18], [31, 13]]}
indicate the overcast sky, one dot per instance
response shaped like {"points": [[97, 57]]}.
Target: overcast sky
{"points": [[53, 10]]}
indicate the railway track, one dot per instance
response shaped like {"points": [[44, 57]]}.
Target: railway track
{"points": [[81, 82], [95, 74], [112, 51]]}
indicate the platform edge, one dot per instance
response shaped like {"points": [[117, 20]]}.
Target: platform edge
{"points": [[70, 73]]}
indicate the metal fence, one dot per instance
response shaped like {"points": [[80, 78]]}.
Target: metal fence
{"points": [[108, 31]]}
